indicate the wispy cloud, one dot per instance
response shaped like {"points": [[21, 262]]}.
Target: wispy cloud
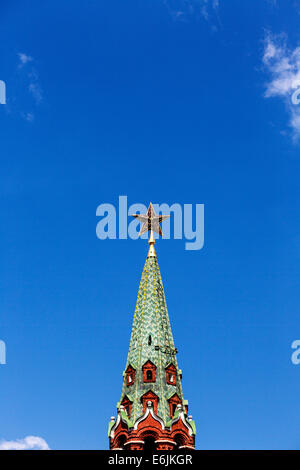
{"points": [[297, 5], [205, 9], [28, 116], [24, 59], [28, 443], [30, 77], [283, 67], [35, 90], [185, 9], [273, 3]]}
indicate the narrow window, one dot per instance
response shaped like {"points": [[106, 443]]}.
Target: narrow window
{"points": [[149, 374], [149, 340], [130, 375], [171, 375], [149, 371]]}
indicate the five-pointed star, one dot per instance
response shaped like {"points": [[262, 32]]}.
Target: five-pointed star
{"points": [[150, 220]]}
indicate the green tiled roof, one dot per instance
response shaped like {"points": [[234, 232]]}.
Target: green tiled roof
{"points": [[193, 425], [151, 324], [126, 419], [110, 425]]}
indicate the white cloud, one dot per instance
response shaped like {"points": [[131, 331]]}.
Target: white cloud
{"points": [[24, 59], [273, 3], [183, 9], [35, 90], [28, 443], [30, 77], [207, 9], [283, 67], [29, 117]]}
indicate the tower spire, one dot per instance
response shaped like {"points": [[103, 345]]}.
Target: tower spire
{"points": [[152, 411], [151, 242]]}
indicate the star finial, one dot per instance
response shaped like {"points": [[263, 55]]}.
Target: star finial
{"points": [[151, 221]]}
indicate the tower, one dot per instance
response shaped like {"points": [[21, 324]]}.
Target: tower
{"points": [[152, 413]]}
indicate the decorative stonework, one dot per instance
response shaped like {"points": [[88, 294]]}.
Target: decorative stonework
{"points": [[177, 434]]}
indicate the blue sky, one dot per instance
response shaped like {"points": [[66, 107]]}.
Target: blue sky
{"points": [[168, 101]]}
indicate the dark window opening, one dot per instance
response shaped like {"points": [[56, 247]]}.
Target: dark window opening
{"points": [[179, 440], [149, 445], [149, 340], [174, 406], [149, 375], [121, 441]]}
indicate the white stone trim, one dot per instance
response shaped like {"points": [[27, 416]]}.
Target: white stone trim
{"points": [[165, 440], [134, 442], [112, 431], [148, 411], [119, 418], [185, 422]]}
